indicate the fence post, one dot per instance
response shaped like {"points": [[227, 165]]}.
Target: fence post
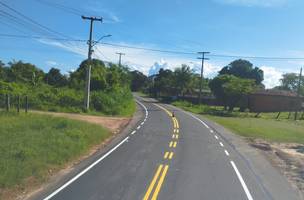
{"points": [[26, 104], [18, 104], [278, 115], [7, 102]]}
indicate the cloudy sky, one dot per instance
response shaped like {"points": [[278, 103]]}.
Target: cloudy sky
{"points": [[245, 28]]}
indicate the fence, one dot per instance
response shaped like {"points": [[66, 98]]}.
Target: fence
{"points": [[9, 102]]}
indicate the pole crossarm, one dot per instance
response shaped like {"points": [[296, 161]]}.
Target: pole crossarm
{"points": [[88, 69], [203, 58]]}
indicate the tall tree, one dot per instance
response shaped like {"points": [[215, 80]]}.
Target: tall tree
{"points": [[243, 69], [183, 77], [163, 82], [55, 78], [290, 82], [230, 89], [138, 80], [24, 72]]}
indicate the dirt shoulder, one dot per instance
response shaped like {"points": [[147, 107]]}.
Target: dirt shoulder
{"points": [[119, 126], [114, 124], [287, 157]]}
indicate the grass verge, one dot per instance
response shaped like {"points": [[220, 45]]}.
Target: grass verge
{"points": [[245, 124], [31, 145]]}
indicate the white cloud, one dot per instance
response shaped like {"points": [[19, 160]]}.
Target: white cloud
{"points": [[136, 59], [250, 3], [51, 63], [272, 76], [98, 8], [150, 62]]}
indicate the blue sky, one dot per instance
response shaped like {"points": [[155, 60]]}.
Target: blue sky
{"points": [[230, 27]]}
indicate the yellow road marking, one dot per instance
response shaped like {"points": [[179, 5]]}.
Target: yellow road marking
{"points": [[171, 155], [160, 182], [174, 144], [171, 144], [176, 136], [177, 125], [166, 155], [177, 131], [150, 188], [174, 123]]}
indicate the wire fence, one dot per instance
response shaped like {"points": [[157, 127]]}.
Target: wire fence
{"points": [[17, 103]]}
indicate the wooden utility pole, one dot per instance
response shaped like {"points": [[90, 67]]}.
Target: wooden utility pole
{"points": [[88, 68], [298, 92], [202, 74], [120, 54]]}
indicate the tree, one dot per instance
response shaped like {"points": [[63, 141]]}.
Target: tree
{"points": [[2, 71], [138, 80], [163, 82], [243, 69], [230, 89], [98, 75], [55, 78], [24, 73], [183, 77], [290, 82]]}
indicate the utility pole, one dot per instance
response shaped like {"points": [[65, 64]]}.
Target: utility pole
{"points": [[203, 58], [88, 68], [120, 54], [298, 92]]}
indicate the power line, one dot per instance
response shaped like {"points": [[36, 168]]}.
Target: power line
{"points": [[147, 49], [120, 54], [39, 37], [88, 69], [67, 9], [32, 20], [211, 55], [21, 22], [99, 51], [156, 50], [203, 58], [256, 57]]}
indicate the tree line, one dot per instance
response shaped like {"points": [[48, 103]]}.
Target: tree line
{"points": [[110, 86], [234, 81]]}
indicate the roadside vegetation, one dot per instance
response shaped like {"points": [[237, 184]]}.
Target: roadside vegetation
{"points": [[246, 124], [53, 91], [32, 146], [224, 99]]}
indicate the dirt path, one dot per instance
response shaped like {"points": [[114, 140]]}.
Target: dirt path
{"points": [[114, 124], [287, 157]]}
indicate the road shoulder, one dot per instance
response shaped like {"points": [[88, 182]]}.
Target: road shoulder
{"points": [[69, 172], [269, 177]]}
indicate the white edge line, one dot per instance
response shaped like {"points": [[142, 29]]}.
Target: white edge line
{"points": [[226, 152], [216, 137], [221, 144], [232, 163], [211, 131], [242, 181], [85, 170], [93, 164], [133, 132], [138, 127], [142, 123]]}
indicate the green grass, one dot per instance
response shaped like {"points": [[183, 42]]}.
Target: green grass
{"points": [[32, 144], [245, 124]]}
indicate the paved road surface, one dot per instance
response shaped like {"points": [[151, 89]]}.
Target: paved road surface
{"points": [[165, 157]]}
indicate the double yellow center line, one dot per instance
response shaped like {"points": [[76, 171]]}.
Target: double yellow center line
{"points": [[162, 169]]}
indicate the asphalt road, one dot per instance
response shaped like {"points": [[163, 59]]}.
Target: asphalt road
{"points": [[169, 157]]}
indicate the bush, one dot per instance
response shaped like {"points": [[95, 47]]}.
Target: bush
{"points": [[115, 102]]}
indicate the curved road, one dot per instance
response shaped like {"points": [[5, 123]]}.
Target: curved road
{"points": [[167, 157]]}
